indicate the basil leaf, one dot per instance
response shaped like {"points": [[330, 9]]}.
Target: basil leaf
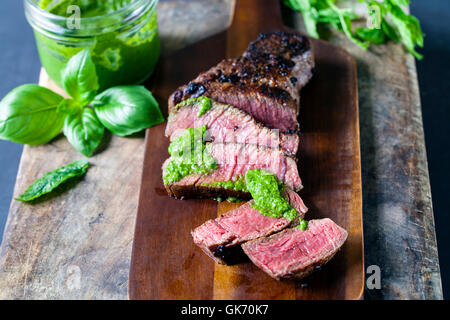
{"points": [[299, 5], [84, 131], [80, 78], [400, 2], [53, 179], [375, 36], [309, 15], [28, 115], [310, 24], [124, 110], [69, 106], [345, 18], [408, 28], [389, 31]]}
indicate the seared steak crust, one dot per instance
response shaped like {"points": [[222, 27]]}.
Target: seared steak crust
{"points": [[264, 81]]}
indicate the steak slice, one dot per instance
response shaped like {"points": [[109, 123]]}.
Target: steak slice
{"points": [[294, 253], [234, 160], [227, 124], [264, 81], [222, 237]]}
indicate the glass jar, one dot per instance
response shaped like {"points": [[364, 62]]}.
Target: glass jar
{"points": [[121, 34]]}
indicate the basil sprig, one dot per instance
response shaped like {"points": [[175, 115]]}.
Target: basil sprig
{"points": [[31, 114], [394, 23]]}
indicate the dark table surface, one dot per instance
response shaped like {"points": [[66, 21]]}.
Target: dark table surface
{"points": [[19, 64]]}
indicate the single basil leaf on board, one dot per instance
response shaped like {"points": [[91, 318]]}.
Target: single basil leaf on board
{"points": [[84, 131], [80, 77], [125, 110], [53, 179], [28, 115]]}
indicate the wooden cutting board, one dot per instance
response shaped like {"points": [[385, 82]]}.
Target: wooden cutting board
{"points": [[165, 263]]}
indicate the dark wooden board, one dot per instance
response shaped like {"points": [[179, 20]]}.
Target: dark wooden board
{"points": [[165, 263]]}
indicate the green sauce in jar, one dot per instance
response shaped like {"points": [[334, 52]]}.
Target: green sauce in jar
{"points": [[189, 154], [122, 35]]}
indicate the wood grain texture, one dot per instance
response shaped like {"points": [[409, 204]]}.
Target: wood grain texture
{"points": [[40, 244], [165, 262], [400, 223]]}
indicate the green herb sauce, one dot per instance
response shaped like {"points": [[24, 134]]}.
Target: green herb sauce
{"points": [[233, 199], [238, 185], [189, 155], [205, 104], [303, 225], [267, 192], [125, 56], [228, 199]]}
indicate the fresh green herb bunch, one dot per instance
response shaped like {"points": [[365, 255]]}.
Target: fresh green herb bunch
{"points": [[393, 24], [31, 114]]}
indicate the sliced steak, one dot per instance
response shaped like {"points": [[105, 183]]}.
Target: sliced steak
{"points": [[222, 237], [264, 81], [234, 160], [294, 253], [229, 125]]}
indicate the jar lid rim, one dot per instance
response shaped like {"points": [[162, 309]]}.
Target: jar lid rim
{"points": [[32, 9], [129, 6]]}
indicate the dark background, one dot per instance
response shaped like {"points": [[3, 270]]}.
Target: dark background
{"points": [[19, 64]]}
